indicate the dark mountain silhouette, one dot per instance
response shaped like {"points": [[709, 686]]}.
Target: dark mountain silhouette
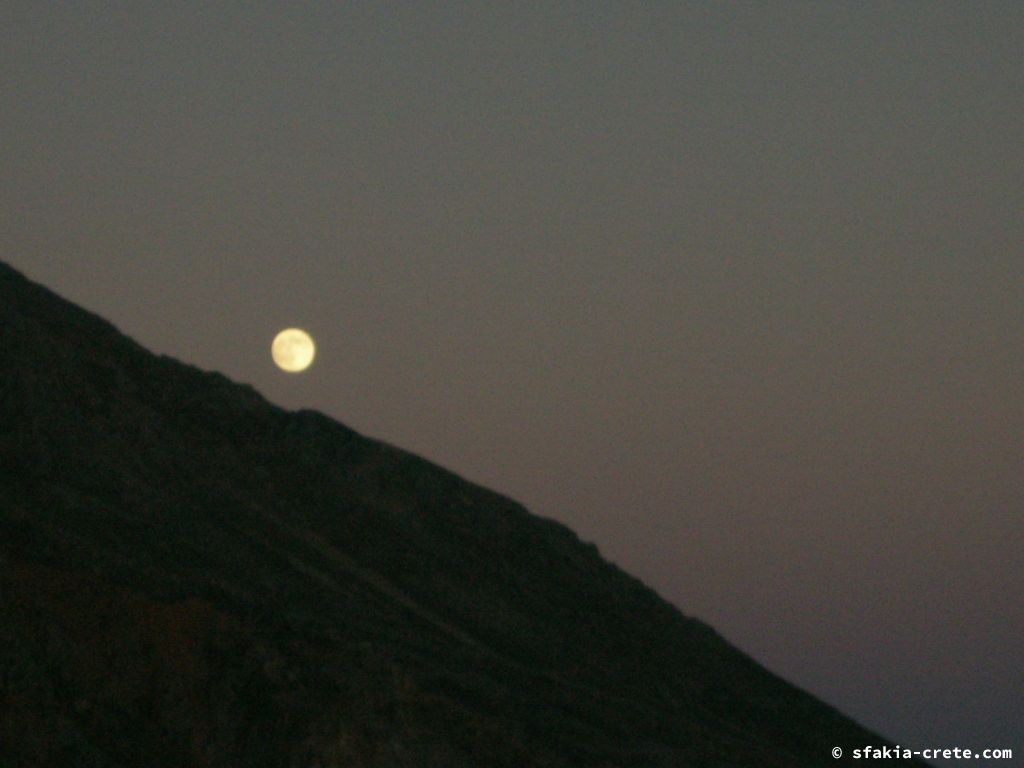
{"points": [[191, 576]]}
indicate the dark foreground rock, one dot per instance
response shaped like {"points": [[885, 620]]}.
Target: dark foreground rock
{"points": [[191, 576]]}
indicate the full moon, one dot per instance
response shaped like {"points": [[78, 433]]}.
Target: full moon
{"points": [[293, 350]]}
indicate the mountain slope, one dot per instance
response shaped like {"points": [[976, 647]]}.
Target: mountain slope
{"points": [[193, 576]]}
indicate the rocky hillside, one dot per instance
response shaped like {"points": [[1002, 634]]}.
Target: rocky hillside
{"points": [[191, 576]]}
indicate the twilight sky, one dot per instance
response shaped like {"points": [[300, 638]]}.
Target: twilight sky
{"points": [[735, 290]]}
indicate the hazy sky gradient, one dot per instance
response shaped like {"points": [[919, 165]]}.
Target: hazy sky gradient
{"points": [[735, 290]]}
